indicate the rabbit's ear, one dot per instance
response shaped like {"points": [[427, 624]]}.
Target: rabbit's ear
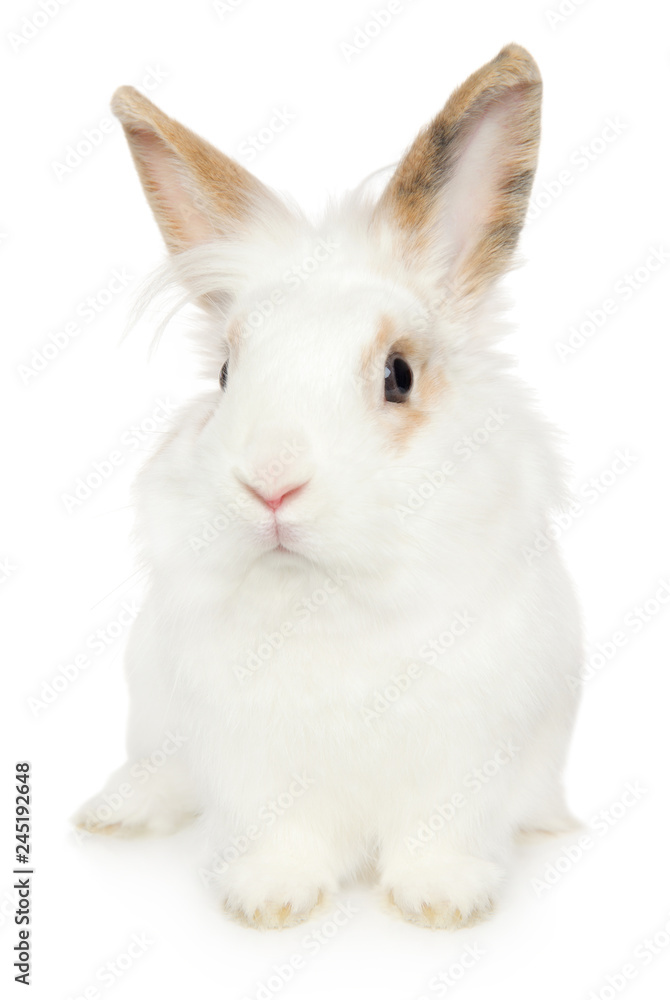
{"points": [[197, 193], [460, 193]]}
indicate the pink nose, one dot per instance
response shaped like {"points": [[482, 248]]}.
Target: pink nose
{"points": [[275, 501]]}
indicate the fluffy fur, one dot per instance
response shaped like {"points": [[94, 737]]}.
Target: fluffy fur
{"points": [[374, 672]]}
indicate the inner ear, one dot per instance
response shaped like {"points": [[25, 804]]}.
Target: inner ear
{"points": [[185, 217], [197, 194], [477, 210], [459, 196]]}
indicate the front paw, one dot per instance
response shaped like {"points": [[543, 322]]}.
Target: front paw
{"points": [[273, 890], [135, 802], [445, 893], [270, 911]]}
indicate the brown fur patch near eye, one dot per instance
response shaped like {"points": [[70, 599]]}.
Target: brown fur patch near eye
{"points": [[406, 426], [429, 388], [433, 385], [383, 337], [402, 420], [511, 79]]}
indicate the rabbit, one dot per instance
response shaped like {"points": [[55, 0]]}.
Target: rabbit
{"points": [[353, 656]]}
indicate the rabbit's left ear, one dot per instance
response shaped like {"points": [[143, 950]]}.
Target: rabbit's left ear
{"points": [[459, 195]]}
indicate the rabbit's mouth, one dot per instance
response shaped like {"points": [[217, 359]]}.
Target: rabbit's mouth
{"points": [[287, 537], [285, 552], [281, 537]]}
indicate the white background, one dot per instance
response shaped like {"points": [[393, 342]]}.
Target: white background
{"points": [[67, 573]]}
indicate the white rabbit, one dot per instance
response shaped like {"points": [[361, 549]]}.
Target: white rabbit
{"points": [[352, 650]]}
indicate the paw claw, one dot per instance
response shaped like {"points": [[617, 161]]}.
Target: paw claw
{"points": [[274, 916], [454, 895]]}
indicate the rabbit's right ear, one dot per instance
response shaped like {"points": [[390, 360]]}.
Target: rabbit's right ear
{"points": [[197, 193], [459, 196]]}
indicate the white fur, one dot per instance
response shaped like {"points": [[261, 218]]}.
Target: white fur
{"points": [[298, 728]]}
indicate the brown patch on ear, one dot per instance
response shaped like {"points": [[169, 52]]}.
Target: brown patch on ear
{"points": [[196, 192], [509, 85]]}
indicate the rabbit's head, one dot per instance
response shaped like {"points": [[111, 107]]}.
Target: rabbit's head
{"points": [[358, 416]]}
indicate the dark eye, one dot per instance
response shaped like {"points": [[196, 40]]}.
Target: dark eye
{"points": [[397, 379], [223, 375]]}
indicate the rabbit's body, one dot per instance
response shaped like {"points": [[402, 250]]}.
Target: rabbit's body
{"points": [[349, 633]]}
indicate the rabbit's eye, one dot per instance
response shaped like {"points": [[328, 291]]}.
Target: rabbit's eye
{"points": [[397, 379], [223, 375]]}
